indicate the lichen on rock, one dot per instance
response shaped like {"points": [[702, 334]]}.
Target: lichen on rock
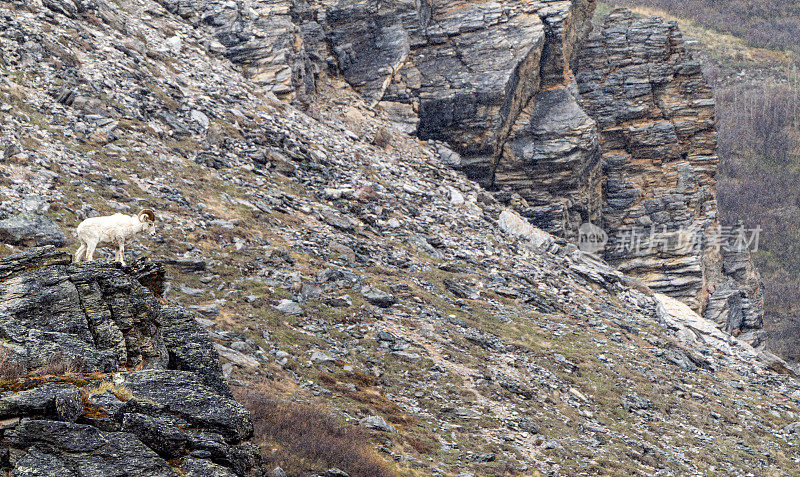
{"points": [[100, 329]]}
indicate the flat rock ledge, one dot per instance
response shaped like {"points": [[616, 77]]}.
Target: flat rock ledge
{"points": [[100, 379]]}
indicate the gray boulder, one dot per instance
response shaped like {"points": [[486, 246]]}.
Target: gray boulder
{"points": [[61, 446], [158, 434], [634, 402], [194, 467], [377, 423], [188, 397], [61, 401], [29, 229], [378, 297]]}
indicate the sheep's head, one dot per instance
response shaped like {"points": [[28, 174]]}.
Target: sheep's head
{"points": [[148, 217]]}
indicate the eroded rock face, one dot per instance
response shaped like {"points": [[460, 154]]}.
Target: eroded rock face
{"points": [[453, 71], [736, 300], [493, 81], [88, 313], [258, 35], [456, 71], [655, 116], [551, 164], [146, 384]]}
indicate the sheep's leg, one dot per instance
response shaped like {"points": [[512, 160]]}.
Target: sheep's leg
{"points": [[90, 251], [80, 253], [121, 253]]}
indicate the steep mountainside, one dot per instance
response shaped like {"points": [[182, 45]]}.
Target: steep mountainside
{"points": [[139, 389], [341, 264], [754, 75], [633, 153]]}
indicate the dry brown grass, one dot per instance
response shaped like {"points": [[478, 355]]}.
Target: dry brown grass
{"points": [[10, 370], [422, 446], [302, 437], [773, 25], [59, 365], [367, 393]]}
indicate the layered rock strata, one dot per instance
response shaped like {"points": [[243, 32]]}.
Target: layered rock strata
{"points": [[122, 387], [655, 116], [259, 36], [615, 128]]}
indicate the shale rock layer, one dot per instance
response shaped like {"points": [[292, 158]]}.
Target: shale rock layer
{"points": [[124, 385]]}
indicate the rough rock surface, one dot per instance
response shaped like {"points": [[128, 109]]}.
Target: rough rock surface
{"points": [[656, 119], [94, 314], [550, 167], [93, 322], [31, 229], [259, 35], [618, 132], [498, 349], [655, 115]]}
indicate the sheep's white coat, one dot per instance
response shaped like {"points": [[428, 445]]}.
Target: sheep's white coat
{"points": [[113, 230]]}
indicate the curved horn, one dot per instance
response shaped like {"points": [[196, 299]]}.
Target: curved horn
{"points": [[147, 214]]}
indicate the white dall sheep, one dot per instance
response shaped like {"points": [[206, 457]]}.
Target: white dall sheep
{"points": [[113, 230]]}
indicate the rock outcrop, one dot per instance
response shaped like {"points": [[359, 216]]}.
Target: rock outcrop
{"points": [[259, 36], [336, 262], [491, 80], [31, 230], [116, 384], [655, 116], [615, 128]]}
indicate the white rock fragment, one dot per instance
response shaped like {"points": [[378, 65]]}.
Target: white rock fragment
{"points": [[514, 224], [376, 422], [289, 307], [318, 357], [456, 197], [236, 357], [174, 44], [200, 118]]}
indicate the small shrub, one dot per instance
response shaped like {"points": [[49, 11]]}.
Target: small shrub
{"points": [[422, 446], [59, 365], [121, 392], [305, 434], [10, 370]]}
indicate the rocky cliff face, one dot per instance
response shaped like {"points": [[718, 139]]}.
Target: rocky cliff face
{"points": [[336, 261], [491, 81], [100, 379], [618, 133], [655, 115]]}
